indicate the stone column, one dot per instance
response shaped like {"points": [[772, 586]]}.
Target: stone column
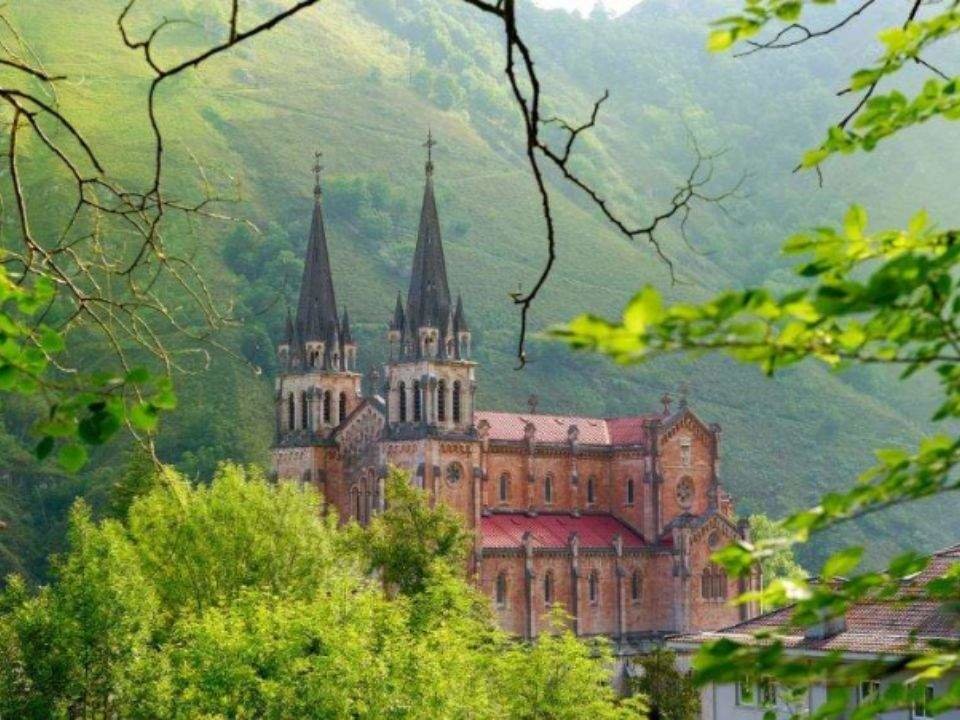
{"points": [[529, 577], [618, 555], [574, 545]]}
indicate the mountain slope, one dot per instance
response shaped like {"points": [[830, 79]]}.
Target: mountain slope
{"points": [[363, 82]]}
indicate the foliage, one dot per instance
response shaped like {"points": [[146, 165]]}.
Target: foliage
{"points": [[671, 692], [888, 297], [238, 599], [780, 563], [412, 541]]}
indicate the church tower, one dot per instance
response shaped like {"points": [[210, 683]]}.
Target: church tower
{"points": [[319, 385], [430, 379]]}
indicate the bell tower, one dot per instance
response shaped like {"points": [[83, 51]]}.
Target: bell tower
{"points": [[319, 385], [429, 377]]}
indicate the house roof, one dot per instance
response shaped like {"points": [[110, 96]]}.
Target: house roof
{"points": [[870, 627], [553, 530], [555, 428]]}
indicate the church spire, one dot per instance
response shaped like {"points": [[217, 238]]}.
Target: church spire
{"points": [[317, 308], [428, 299]]}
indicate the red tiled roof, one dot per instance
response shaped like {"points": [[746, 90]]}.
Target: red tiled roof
{"points": [[555, 428], [506, 530]]}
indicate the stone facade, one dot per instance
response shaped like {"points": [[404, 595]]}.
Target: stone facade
{"points": [[612, 519]]}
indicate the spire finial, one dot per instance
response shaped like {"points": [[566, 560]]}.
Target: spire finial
{"points": [[317, 167], [429, 144]]}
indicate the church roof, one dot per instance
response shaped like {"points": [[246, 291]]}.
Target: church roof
{"points": [[553, 530], [555, 428]]}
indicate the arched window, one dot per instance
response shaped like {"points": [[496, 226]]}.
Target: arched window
{"points": [[342, 409], [402, 391], [713, 583], [630, 491], [327, 400], [305, 478], [314, 358], [636, 586], [291, 412], [504, 487], [686, 452], [548, 587], [502, 590], [356, 504], [456, 401], [591, 490], [417, 402], [442, 401], [548, 489], [593, 588], [304, 411]]}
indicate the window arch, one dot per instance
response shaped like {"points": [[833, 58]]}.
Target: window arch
{"points": [[548, 588], [713, 583], [304, 411], [342, 407], [591, 490], [502, 590], [327, 400], [548, 489], [504, 487], [402, 391], [456, 401], [593, 588], [417, 402], [636, 586], [291, 412], [442, 401], [631, 491]]}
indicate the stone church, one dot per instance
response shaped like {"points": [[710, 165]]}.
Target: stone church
{"points": [[613, 518]]}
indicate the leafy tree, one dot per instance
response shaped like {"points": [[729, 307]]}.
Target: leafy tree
{"points": [[238, 599], [408, 542], [780, 563], [863, 297], [671, 693]]}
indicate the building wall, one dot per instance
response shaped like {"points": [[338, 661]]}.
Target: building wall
{"points": [[719, 702]]}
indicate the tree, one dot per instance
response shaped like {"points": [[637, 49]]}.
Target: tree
{"points": [[409, 541], [780, 563], [888, 297], [671, 693], [238, 599]]}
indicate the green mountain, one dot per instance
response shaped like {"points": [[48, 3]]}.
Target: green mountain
{"points": [[362, 81]]}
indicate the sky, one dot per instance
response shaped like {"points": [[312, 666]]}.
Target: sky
{"points": [[617, 7]]}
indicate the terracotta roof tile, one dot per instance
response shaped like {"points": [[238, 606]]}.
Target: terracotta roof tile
{"points": [[555, 428], [552, 530]]}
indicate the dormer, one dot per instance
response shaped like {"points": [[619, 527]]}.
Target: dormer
{"points": [[314, 350], [428, 341]]}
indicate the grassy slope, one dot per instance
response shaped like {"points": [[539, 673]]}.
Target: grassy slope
{"points": [[257, 114]]}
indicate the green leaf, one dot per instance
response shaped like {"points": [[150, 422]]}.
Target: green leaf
{"points": [[842, 562], [72, 457], [44, 447], [720, 40], [144, 416]]}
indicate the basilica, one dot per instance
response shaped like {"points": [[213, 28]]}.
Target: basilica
{"points": [[612, 518]]}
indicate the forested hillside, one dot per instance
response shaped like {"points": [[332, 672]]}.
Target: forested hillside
{"points": [[362, 81]]}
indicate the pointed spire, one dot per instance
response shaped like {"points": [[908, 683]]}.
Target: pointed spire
{"points": [[428, 299], [399, 321], [459, 317], [317, 309], [345, 328], [288, 329], [317, 168]]}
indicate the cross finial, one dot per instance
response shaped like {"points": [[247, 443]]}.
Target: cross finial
{"points": [[532, 402], [429, 144], [317, 167], [666, 400]]}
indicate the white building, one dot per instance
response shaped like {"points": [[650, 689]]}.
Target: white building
{"points": [[868, 632]]}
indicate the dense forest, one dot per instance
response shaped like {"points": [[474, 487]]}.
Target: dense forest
{"points": [[362, 81]]}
